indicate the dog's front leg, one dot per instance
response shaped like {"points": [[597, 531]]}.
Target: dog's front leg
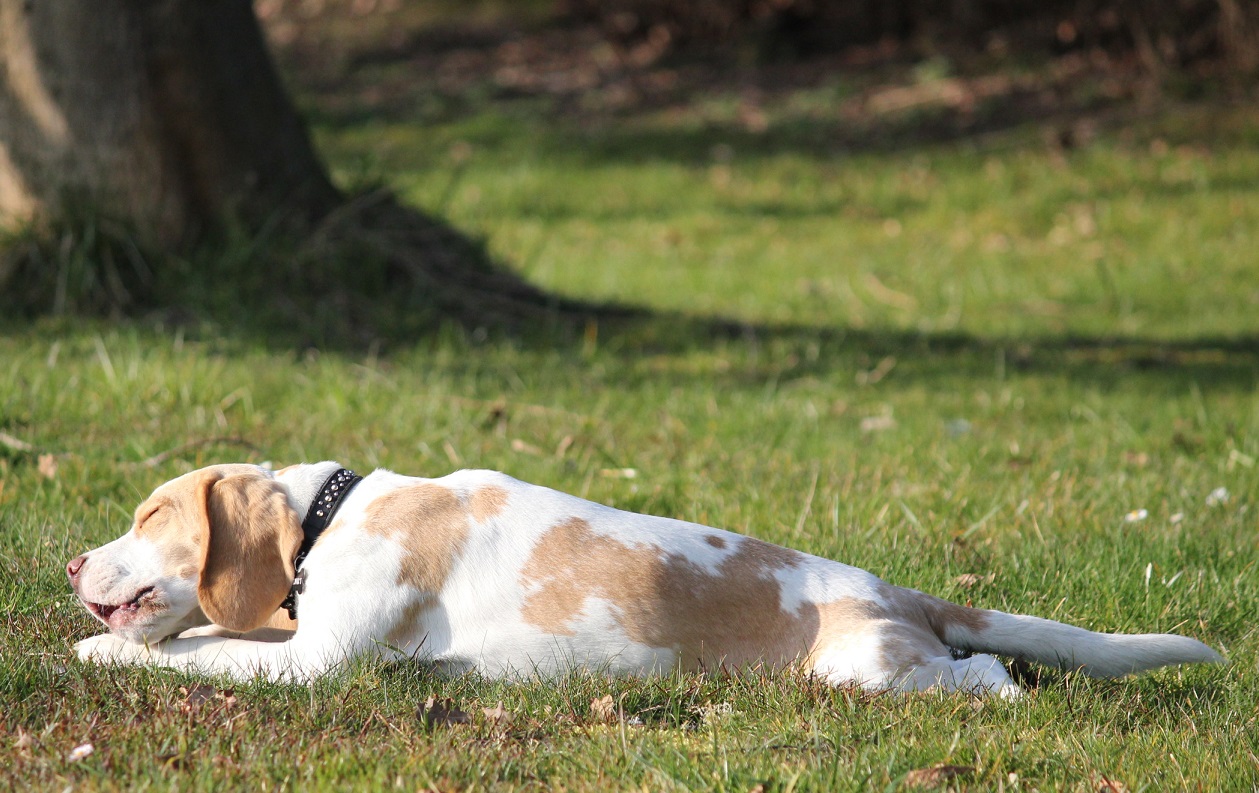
{"points": [[240, 659]]}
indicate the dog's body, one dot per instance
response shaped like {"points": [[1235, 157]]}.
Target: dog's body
{"points": [[477, 570]]}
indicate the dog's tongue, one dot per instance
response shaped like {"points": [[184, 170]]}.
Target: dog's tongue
{"points": [[106, 611]]}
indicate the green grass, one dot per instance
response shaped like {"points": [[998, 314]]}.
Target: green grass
{"points": [[973, 357]]}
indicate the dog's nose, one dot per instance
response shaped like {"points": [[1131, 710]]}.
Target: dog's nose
{"points": [[76, 564]]}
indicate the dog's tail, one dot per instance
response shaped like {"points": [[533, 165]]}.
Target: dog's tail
{"points": [[1057, 644]]}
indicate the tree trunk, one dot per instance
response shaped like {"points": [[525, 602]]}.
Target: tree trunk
{"points": [[166, 115], [133, 128]]}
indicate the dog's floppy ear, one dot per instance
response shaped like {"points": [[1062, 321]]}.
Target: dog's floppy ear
{"points": [[251, 536]]}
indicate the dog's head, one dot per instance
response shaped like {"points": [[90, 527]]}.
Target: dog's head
{"points": [[215, 545]]}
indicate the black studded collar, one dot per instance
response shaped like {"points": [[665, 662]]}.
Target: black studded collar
{"points": [[325, 505]]}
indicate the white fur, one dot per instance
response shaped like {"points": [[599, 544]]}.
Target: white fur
{"points": [[354, 601]]}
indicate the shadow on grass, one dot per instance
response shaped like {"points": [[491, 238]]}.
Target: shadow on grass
{"points": [[785, 352], [379, 277], [567, 77]]}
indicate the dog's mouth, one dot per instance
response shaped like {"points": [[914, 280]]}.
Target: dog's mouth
{"points": [[121, 613]]}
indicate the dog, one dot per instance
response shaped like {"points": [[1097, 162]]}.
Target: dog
{"points": [[479, 571]]}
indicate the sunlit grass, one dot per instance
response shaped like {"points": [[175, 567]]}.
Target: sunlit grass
{"points": [[1147, 232], [958, 359]]}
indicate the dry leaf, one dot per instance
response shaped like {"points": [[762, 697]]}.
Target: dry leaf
{"points": [[877, 423], [1138, 459], [936, 775], [441, 712], [517, 445], [24, 741], [80, 752], [48, 466], [603, 709], [497, 714], [1107, 785], [195, 697], [199, 696], [972, 580]]}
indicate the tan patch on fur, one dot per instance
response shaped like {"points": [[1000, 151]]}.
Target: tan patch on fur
{"points": [[715, 540], [942, 615], [487, 502], [902, 644], [841, 622], [286, 469], [665, 600], [912, 627], [172, 524], [845, 617], [403, 634], [932, 613], [431, 525], [281, 620]]}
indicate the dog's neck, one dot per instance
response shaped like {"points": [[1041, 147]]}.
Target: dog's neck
{"points": [[303, 483]]}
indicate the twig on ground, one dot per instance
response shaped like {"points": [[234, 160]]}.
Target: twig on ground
{"points": [[161, 457], [16, 444]]}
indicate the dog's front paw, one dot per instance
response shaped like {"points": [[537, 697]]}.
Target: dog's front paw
{"points": [[108, 648]]}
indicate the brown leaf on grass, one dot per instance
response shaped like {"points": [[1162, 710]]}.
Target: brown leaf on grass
{"points": [[48, 466], [972, 580], [195, 697], [497, 714], [201, 696], [1107, 785], [24, 742], [1137, 459], [936, 775], [441, 712], [603, 709]]}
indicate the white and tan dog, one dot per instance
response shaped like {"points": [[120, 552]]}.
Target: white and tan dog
{"points": [[477, 570]]}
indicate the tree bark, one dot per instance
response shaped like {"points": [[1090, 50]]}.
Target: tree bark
{"points": [[130, 129], [166, 115]]}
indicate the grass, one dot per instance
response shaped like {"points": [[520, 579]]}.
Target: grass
{"points": [[970, 357]]}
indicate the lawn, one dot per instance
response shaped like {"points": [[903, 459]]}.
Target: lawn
{"points": [[990, 367]]}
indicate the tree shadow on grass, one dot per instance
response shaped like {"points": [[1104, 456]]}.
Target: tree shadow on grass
{"points": [[486, 304], [381, 285], [377, 277], [790, 351], [886, 98]]}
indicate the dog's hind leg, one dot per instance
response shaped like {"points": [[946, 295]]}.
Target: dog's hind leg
{"points": [[885, 655], [982, 675]]}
